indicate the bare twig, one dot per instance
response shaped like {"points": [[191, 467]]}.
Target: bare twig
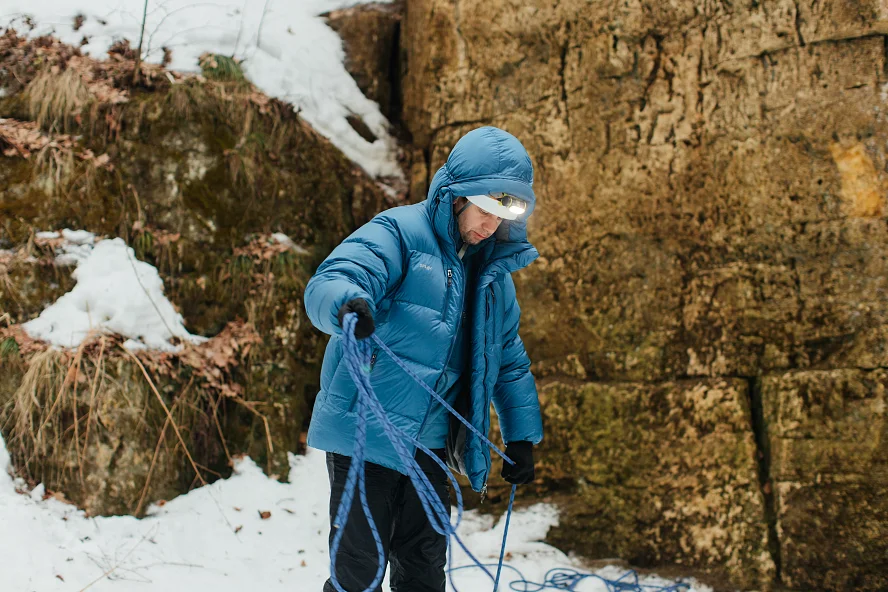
{"points": [[240, 29], [219, 428], [77, 362], [261, 21], [167, 411], [168, 13], [139, 51], [179, 436], [157, 448], [147, 295], [264, 420], [118, 564], [92, 393]]}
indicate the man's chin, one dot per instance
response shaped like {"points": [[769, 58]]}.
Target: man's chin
{"points": [[475, 238]]}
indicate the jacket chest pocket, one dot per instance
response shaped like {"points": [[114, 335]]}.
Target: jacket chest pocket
{"points": [[423, 283], [374, 356]]}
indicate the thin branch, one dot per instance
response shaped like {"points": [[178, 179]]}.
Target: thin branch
{"points": [[174, 11], [261, 21], [147, 295], [240, 29], [139, 51], [167, 411], [221, 435], [157, 448], [92, 393], [264, 419], [178, 435], [118, 564], [77, 424]]}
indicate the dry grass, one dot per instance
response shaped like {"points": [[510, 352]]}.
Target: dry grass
{"points": [[27, 412], [70, 405], [53, 166], [64, 406], [7, 288], [55, 98]]}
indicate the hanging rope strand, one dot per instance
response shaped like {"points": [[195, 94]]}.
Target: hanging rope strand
{"points": [[357, 357]]}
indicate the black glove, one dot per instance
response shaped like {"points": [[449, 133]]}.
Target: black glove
{"points": [[365, 327], [522, 471]]}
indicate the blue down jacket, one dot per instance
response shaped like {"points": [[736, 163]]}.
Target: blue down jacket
{"points": [[404, 263]]}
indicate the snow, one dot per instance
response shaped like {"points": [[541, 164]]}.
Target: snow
{"points": [[76, 247], [288, 50], [115, 293], [283, 239], [213, 538]]}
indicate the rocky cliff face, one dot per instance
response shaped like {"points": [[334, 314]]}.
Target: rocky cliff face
{"points": [[707, 320], [708, 317], [197, 176]]}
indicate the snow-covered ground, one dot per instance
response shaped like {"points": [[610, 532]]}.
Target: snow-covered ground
{"points": [[288, 52], [214, 538]]}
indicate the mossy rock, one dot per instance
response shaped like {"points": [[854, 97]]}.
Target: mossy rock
{"points": [[662, 473], [102, 438], [828, 441], [200, 175]]}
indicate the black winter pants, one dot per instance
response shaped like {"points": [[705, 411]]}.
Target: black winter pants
{"points": [[416, 552]]}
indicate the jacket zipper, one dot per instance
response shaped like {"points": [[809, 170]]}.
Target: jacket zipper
{"points": [[425, 417], [447, 294], [486, 420]]}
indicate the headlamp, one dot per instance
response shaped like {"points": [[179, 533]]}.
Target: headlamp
{"points": [[516, 206], [504, 205]]}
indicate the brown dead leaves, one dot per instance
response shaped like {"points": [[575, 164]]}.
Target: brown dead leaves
{"points": [[161, 237], [98, 78], [24, 138], [23, 59], [214, 360], [21, 138], [265, 247], [27, 346]]}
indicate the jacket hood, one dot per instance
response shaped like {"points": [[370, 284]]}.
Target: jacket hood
{"points": [[486, 160]]}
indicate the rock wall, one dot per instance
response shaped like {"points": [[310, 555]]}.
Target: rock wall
{"points": [[197, 176], [709, 311]]}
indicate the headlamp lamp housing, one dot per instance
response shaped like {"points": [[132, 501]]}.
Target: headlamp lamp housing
{"points": [[503, 205]]}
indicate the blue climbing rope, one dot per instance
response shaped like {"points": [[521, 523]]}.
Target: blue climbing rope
{"points": [[357, 357]]}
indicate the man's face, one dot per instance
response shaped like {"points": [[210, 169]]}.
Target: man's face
{"points": [[475, 224]]}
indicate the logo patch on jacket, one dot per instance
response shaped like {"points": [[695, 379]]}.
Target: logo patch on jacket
{"points": [[424, 266]]}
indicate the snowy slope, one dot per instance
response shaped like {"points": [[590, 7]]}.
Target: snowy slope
{"points": [[213, 538], [287, 49]]}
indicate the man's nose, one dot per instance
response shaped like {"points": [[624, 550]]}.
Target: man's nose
{"points": [[490, 225]]}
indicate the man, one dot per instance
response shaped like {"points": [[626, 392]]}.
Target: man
{"points": [[433, 280]]}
